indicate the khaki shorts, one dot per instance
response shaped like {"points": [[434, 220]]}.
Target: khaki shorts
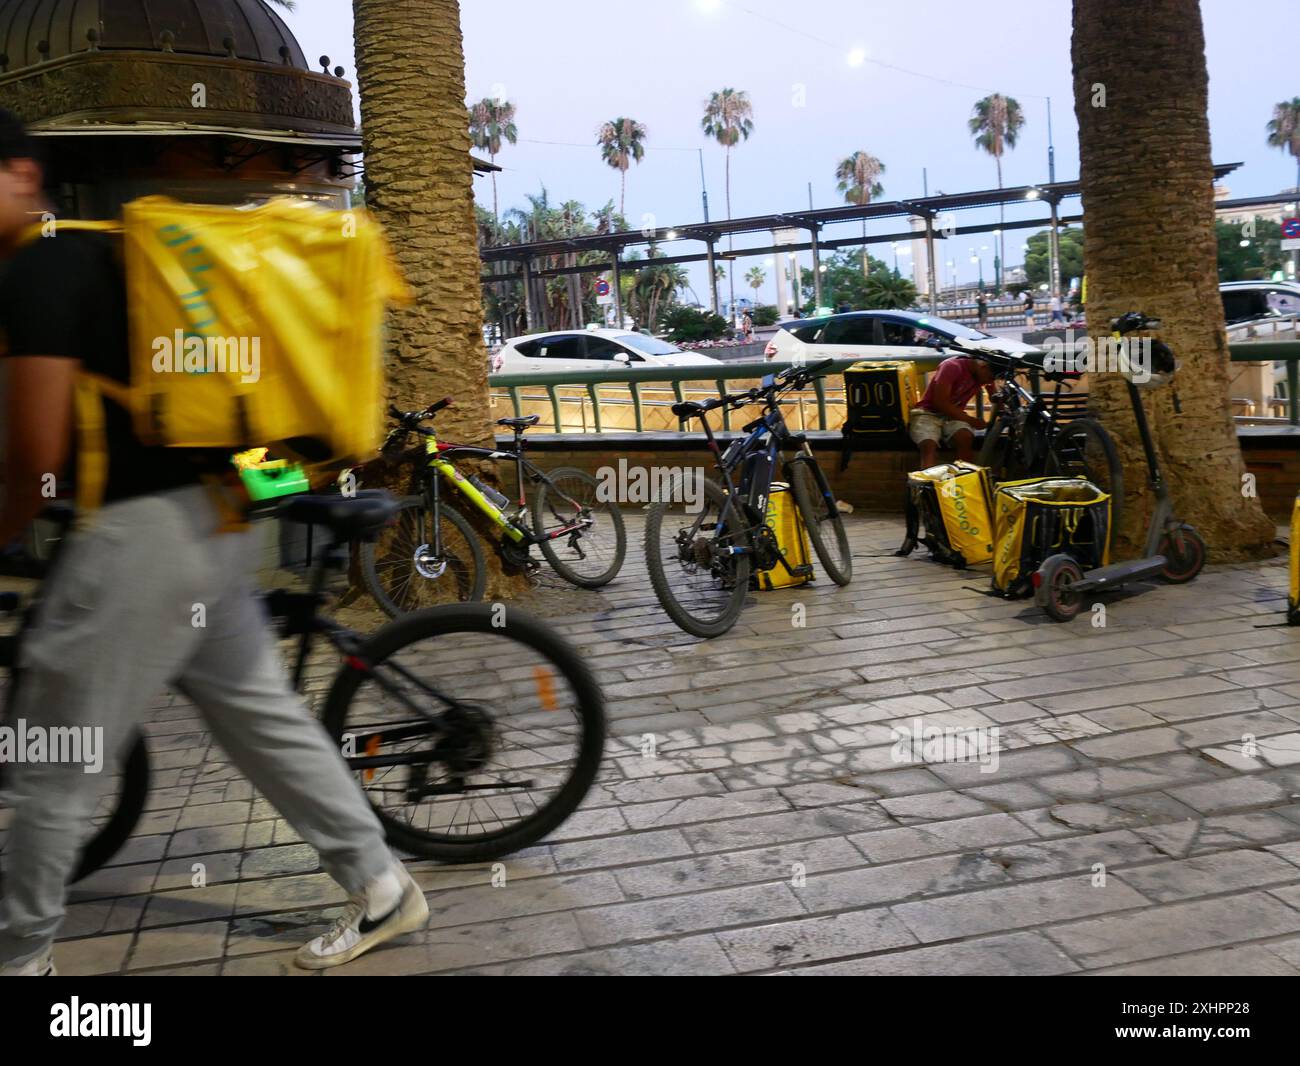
{"points": [[923, 425]]}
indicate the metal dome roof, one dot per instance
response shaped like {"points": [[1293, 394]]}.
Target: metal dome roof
{"points": [[35, 31]]}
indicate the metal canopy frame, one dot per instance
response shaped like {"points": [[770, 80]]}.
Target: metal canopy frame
{"points": [[927, 208]]}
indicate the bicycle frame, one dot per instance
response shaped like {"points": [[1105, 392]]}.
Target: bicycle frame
{"points": [[298, 616], [755, 455], [440, 462]]}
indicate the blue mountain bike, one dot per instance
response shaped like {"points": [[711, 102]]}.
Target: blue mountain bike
{"points": [[703, 538]]}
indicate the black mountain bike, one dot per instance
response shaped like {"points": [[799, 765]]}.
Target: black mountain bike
{"points": [[472, 732], [1028, 438], [703, 540], [431, 555]]}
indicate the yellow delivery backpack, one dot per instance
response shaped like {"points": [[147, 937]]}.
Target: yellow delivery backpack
{"points": [[785, 521], [248, 326], [1046, 516], [1293, 593], [948, 510]]}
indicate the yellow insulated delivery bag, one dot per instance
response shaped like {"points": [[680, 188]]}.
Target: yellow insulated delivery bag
{"points": [[878, 399], [785, 521], [1045, 516], [951, 504], [249, 326], [1293, 593]]}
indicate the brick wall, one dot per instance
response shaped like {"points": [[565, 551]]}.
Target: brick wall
{"points": [[873, 480]]}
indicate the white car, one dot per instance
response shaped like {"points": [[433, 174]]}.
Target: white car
{"points": [[877, 335], [591, 349]]}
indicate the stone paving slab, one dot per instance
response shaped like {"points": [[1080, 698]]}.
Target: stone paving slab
{"points": [[1143, 816]]}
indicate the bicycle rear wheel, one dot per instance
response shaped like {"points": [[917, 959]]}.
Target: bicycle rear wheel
{"points": [[404, 573], [591, 556], [1084, 449], [474, 730], [697, 579], [825, 524]]}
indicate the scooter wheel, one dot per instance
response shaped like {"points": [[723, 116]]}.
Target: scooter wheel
{"points": [[1053, 588], [1184, 551]]}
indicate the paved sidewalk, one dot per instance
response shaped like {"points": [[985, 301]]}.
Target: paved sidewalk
{"points": [[752, 817]]}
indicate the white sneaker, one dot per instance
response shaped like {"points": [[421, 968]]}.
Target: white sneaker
{"points": [[41, 965], [390, 905]]}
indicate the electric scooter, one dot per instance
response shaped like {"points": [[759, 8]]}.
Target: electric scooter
{"points": [[1173, 550]]}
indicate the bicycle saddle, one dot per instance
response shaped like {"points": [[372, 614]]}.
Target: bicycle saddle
{"points": [[688, 409], [358, 517], [520, 423]]}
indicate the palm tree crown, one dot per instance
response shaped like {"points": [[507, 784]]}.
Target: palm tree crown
{"points": [[995, 123], [728, 117], [857, 178], [1284, 130], [490, 123], [622, 142]]}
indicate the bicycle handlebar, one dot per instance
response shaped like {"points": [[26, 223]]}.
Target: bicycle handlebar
{"points": [[412, 419]]}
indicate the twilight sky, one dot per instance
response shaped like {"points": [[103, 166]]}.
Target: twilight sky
{"points": [[571, 64]]}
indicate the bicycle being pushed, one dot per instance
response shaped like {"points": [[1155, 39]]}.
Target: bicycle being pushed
{"points": [[432, 554], [700, 555], [472, 734]]}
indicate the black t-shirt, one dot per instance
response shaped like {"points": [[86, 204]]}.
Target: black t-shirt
{"points": [[66, 296]]}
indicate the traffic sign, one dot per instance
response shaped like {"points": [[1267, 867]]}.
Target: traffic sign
{"points": [[1291, 227], [602, 287]]}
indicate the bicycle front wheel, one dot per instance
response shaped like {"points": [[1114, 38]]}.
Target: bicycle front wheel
{"points": [[473, 729], [1084, 449], [822, 519], [591, 555], [407, 567], [699, 577]]}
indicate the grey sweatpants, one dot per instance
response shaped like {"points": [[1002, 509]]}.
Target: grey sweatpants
{"points": [[150, 595]]}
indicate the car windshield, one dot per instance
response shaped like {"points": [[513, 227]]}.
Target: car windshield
{"points": [[647, 345], [952, 329]]}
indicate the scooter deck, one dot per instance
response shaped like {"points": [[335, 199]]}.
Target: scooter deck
{"points": [[1120, 573]]}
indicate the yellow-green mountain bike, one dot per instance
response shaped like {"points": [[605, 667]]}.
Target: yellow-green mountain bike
{"points": [[432, 555]]}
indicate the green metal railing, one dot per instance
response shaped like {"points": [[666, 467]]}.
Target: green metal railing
{"points": [[1275, 352], [711, 380], [716, 380]]}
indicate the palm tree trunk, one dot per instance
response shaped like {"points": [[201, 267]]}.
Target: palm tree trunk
{"points": [[1002, 219], [731, 278], [865, 271], [419, 184], [622, 190], [1149, 245], [496, 216]]}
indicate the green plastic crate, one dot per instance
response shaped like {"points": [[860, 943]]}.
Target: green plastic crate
{"points": [[266, 481]]}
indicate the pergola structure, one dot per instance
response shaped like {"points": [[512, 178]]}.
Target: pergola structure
{"points": [[931, 210]]}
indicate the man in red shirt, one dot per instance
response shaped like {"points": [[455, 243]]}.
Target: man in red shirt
{"points": [[941, 416]]}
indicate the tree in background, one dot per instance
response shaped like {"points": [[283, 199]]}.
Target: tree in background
{"points": [[492, 122], [685, 325], [728, 119], [843, 283], [1261, 255], [887, 291], [1038, 259], [1149, 246], [995, 124], [756, 276], [1284, 131], [621, 142], [857, 177]]}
